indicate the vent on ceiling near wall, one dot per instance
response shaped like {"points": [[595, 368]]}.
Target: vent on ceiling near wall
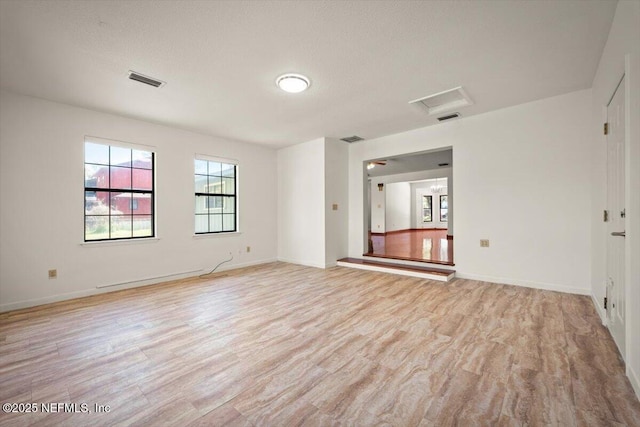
{"points": [[145, 79], [442, 102], [449, 117], [351, 139]]}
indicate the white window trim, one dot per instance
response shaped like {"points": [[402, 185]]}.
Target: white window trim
{"points": [[132, 146], [228, 161]]}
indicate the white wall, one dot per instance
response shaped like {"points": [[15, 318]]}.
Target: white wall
{"points": [[301, 203], [42, 214], [536, 222], [378, 206], [312, 177], [337, 192], [623, 40], [398, 206]]}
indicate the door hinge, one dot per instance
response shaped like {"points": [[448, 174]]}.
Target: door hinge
{"points": [[606, 128], [605, 303], [606, 216]]}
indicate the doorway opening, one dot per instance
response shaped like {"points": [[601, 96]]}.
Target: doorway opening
{"points": [[409, 207]]}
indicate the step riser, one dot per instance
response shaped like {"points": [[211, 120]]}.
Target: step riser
{"points": [[438, 277], [407, 262]]}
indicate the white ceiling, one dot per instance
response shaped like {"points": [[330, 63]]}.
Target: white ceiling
{"points": [[413, 163], [366, 59]]}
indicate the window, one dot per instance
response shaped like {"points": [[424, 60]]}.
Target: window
{"points": [[215, 195], [118, 192], [444, 208], [426, 209]]}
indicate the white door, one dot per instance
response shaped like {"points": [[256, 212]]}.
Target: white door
{"points": [[616, 217]]}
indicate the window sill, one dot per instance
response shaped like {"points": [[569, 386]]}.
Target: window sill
{"points": [[208, 235], [120, 242]]}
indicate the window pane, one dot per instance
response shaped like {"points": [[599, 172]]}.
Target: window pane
{"points": [[96, 203], [121, 203], [426, 202], [215, 185], [214, 204], [142, 159], [142, 179], [96, 153], [228, 204], [201, 167], [142, 226], [201, 184], [228, 186], [215, 222], [120, 226], [214, 168], [444, 214], [228, 170], [202, 203], [229, 222], [202, 223], [120, 156], [96, 227], [120, 177], [443, 202], [141, 204], [96, 176]]}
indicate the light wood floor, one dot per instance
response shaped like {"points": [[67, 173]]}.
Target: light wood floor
{"points": [[283, 345]]}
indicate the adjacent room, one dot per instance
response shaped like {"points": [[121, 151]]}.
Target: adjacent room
{"points": [[409, 206], [407, 213]]}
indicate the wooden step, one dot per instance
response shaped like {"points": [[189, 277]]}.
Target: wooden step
{"points": [[439, 274], [392, 258]]}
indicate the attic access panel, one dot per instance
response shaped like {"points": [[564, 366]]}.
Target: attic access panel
{"points": [[448, 100]]}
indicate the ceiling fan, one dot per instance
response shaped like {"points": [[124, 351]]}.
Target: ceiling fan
{"points": [[373, 164]]}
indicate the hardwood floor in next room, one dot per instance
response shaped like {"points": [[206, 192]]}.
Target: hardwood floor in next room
{"points": [[414, 245], [281, 344]]}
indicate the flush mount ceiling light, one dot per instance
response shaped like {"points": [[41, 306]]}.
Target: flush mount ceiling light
{"points": [[293, 83]]}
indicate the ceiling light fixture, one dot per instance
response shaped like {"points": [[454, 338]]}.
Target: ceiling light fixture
{"points": [[436, 188], [371, 166], [293, 83]]}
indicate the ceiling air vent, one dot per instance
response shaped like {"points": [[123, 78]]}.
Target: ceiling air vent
{"points": [[448, 117], [351, 139], [443, 102], [145, 79]]}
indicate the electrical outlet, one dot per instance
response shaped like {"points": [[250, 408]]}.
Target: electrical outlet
{"points": [[484, 243], [53, 274], [335, 207], [248, 249]]}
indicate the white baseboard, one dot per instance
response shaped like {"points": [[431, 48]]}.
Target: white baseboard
{"points": [[302, 262], [525, 283], [599, 310], [634, 379], [243, 265], [101, 289]]}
